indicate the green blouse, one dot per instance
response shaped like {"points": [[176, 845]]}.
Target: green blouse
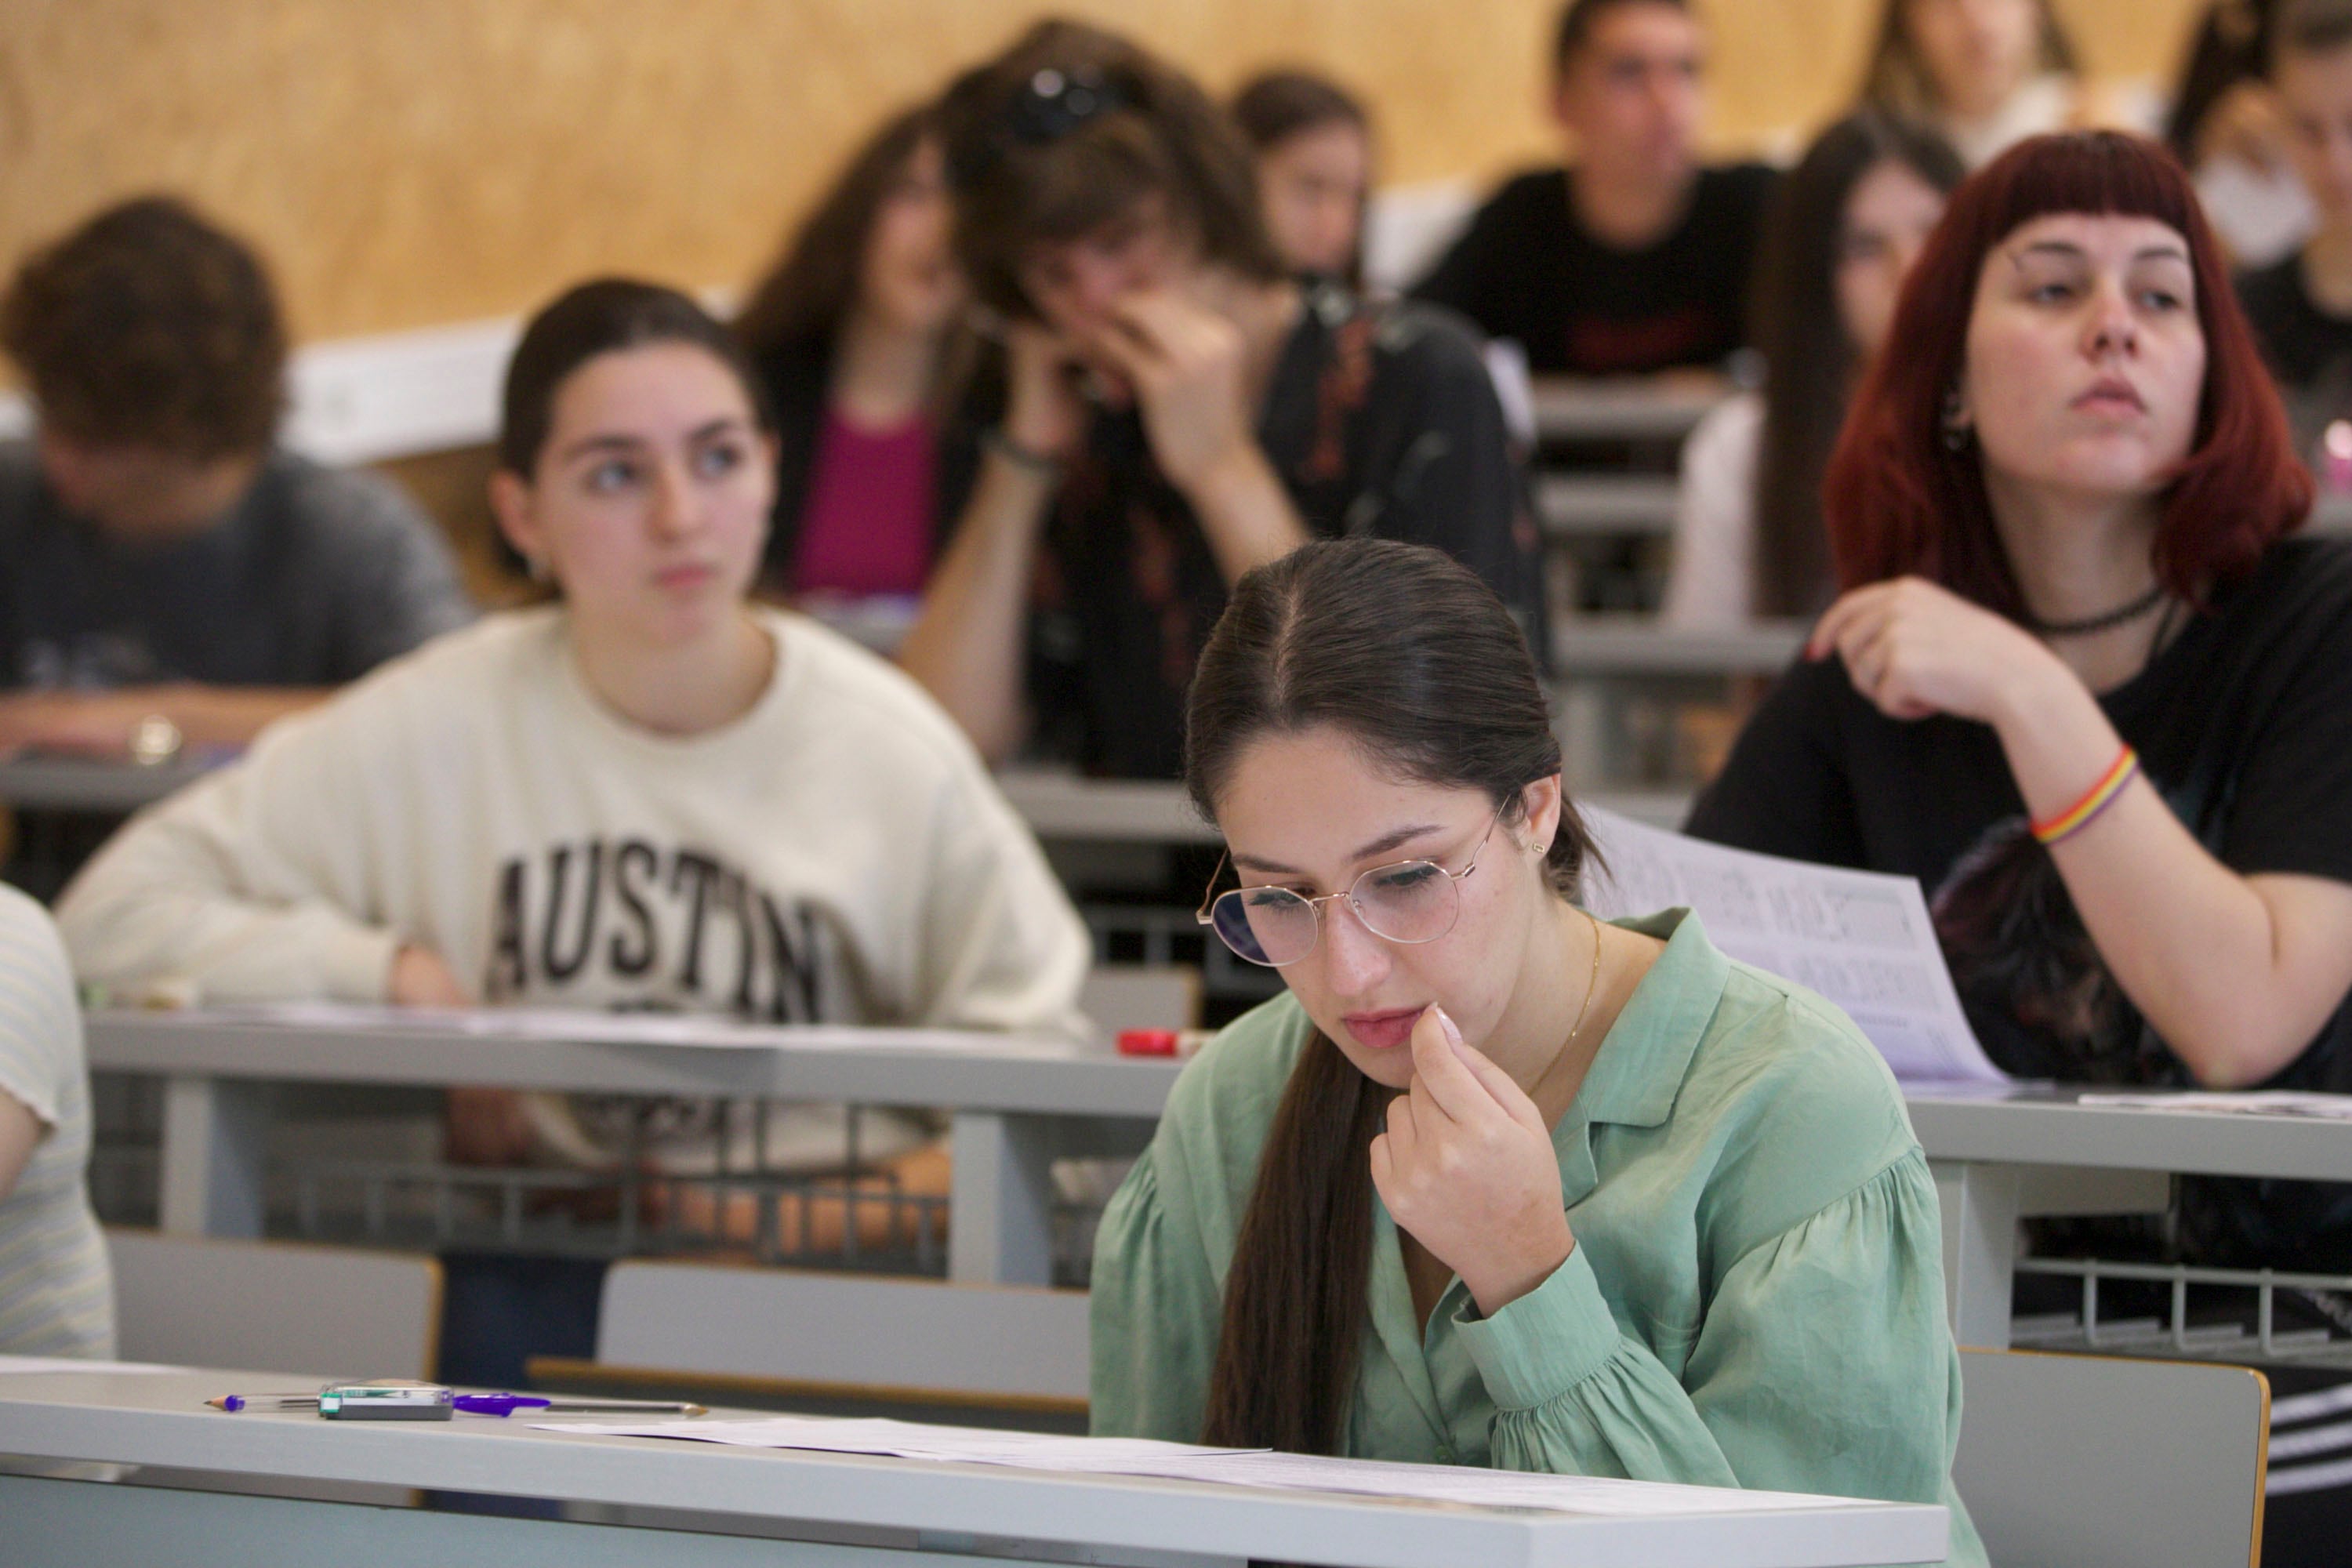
{"points": [[1756, 1296]]}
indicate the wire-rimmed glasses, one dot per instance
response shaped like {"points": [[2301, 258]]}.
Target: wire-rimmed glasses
{"points": [[1406, 901]]}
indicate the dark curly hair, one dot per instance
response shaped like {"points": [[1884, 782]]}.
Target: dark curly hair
{"points": [[149, 327], [1027, 170]]}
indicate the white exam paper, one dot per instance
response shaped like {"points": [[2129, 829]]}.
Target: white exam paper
{"points": [[2248, 1102], [1862, 939], [586, 1026], [1459, 1484], [35, 1363], [911, 1440]]}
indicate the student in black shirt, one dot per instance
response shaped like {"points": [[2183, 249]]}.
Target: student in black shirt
{"points": [[1633, 258], [1179, 409], [2302, 306], [2082, 684]]}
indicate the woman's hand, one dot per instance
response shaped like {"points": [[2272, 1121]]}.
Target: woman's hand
{"points": [[1187, 364], [1467, 1167], [1914, 649], [1042, 412], [421, 979]]}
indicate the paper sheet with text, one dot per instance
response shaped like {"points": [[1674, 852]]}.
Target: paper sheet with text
{"points": [[1862, 939], [1465, 1485]]}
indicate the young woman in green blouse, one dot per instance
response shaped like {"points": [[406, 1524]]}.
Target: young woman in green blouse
{"points": [[1496, 1182]]}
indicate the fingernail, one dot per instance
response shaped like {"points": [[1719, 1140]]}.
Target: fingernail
{"points": [[1446, 1021]]}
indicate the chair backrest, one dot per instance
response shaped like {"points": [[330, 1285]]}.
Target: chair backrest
{"points": [[289, 1307], [844, 1329], [2109, 1462]]}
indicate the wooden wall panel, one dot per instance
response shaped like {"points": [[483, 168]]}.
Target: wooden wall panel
{"points": [[409, 162]]}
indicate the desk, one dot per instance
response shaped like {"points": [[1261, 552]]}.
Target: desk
{"points": [[1633, 408], [112, 789], [1063, 807], [1607, 506], [1019, 1104], [1587, 646], [2034, 1151], [845, 1510]]}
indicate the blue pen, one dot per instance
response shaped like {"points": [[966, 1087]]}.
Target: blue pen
{"points": [[482, 1404]]}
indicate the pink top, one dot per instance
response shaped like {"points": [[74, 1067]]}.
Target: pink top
{"points": [[867, 526]]}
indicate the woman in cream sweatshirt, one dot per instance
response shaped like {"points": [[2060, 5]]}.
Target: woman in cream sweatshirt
{"points": [[649, 793]]}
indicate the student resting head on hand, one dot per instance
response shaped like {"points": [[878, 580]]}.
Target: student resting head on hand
{"points": [[2081, 683], [1495, 1182], [649, 793], [1179, 409]]}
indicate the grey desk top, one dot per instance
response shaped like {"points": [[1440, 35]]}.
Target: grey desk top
{"points": [[968, 1071], [2042, 1125], [1639, 645], [60, 784], [1628, 408], [159, 1419], [2028, 1126]]}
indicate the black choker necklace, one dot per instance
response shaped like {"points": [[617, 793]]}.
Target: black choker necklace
{"points": [[2113, 617]]}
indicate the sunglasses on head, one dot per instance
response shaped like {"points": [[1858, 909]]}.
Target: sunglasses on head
{"points": [[1051, 105]]}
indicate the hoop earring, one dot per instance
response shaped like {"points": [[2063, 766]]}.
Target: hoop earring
{"points": [[1957, 429]]}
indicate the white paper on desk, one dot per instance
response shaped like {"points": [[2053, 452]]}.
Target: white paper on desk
{"points": [[1472, 1485], [915, 1440], [2248, 1102], [585, 1026], [1464, 1485], [33, 1364], [1862, 939]]}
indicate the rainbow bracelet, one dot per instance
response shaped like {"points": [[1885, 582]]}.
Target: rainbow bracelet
{"points": [[2077, 816]]}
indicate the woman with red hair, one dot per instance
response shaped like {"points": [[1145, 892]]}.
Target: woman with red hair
{"points": [[2083, 682]]}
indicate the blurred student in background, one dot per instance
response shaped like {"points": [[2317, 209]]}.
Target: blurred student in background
{"points": [[649, 794], [852, 333], [2301, 306], [1179, 409], [1634, 257], [1314, 146], [172, 574], [1846, 226], [56, 1296], [1985, 73], [2226, 128]]}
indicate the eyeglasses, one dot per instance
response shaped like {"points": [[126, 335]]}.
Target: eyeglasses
{"points": [[1408, 901], [1048, 107]]}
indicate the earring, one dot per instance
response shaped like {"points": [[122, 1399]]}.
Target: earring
{"points": [[534, 566], [1957, 429]]}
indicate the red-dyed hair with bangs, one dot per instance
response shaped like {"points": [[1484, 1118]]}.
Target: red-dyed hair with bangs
{"points": [[1898, 501]]}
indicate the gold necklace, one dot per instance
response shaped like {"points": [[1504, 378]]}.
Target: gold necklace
{"points": [[1591, 984]]}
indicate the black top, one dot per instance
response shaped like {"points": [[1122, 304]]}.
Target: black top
{"points": [[313, 577], [799, 379], [2244, 724], [2309, 350], [1528, 270], [1380, 420]]}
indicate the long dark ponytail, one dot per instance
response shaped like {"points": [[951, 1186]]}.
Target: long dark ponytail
{"points": [[1407, 653]]}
